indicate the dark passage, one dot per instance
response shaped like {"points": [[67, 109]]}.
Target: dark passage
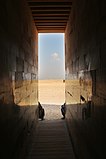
{"points": [[51, 142], [51, 139], [84, 25]]}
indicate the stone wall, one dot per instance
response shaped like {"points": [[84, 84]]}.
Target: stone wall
{"points": [[18, 75], [85, 65]]}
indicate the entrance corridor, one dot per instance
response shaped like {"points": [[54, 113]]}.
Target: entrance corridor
{"points": [[51, 139], [22, 135]]}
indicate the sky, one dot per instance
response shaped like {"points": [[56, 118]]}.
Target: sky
{"points": [[51, 56]]}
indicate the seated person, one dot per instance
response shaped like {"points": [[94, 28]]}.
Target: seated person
{"points": [[41, 111], [63, 110]]}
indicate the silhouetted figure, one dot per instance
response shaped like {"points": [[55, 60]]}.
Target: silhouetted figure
{"points": [[89, 104], [63, 110], [41, 111], [82, 98]]}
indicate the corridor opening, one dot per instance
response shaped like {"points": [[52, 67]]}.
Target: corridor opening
{"points": [[51, 68], [84, 25]]}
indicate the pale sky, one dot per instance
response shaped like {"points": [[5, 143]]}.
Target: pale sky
{"points": [[51, 56]]}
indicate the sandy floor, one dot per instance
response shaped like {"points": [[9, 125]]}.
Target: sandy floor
{"points": [[52, 112], [51, 92]]}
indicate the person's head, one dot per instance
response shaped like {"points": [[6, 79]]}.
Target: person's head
{"points": [[62, 106]]}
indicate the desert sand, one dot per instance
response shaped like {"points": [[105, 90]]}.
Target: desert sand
{"points": [[51, 91]]}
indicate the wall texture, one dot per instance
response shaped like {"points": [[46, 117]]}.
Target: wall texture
{"points": [[18, 75], [85, 65]]}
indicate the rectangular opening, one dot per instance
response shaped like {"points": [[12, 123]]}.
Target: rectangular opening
{"points": [[51, 68]]}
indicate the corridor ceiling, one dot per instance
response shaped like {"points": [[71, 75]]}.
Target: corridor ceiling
{"points": [[50, 15]]}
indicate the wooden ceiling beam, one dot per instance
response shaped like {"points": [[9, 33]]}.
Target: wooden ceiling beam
{"points": [[49, 1], [34, 9], [47, 6], [51, 31], [50, 15], [51, 27], [50, 21], [50, 4], [50, 24], [51, 18], [50, 12]]}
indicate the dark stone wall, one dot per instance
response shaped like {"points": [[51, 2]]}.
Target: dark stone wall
{"points": [[18, 76], [85, 48]]}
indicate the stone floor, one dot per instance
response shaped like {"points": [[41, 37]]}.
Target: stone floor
{"points": [[51, 139]]}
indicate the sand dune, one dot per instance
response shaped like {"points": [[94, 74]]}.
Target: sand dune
{"points": [[51, 91]]}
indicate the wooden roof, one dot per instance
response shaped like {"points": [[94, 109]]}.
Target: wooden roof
{"points": [[50, 15]]}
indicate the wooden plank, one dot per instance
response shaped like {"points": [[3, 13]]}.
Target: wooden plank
{"points": [[51, 24], [50, 15], [49, 1], [51, 31], [50, 9], [50, 12], [53, 6], [50, 4], [50, 21], [51, 18], [48, 26]]}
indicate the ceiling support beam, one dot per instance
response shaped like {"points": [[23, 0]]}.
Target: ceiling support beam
{"points": [[49, 15]]}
